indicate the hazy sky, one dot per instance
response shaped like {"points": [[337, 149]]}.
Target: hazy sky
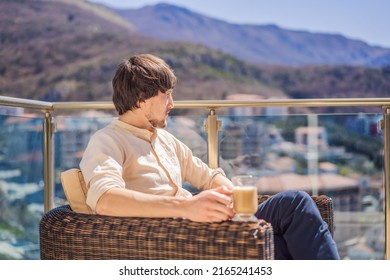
{"points": [[367, 20]]}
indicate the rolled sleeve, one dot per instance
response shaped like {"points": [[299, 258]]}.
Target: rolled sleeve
{"points": [[101, 171]]}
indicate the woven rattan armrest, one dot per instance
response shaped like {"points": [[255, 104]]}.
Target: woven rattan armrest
{"points": [[65, 234]]}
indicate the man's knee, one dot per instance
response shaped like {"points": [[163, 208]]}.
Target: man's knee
{"points": [[294, 196], [284, 203], [294, 200]]}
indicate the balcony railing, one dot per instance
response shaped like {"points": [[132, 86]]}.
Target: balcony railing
{"points": [[212, 124]]}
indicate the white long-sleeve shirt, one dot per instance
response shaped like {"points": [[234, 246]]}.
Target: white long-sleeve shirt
{"points": [[124, 156]]}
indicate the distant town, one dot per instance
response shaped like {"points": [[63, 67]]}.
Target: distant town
{"points": [[336, 155]]}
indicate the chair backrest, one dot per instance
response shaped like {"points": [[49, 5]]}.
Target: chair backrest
{"points": [[75, 190]]}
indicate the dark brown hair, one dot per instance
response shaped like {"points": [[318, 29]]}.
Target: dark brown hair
{"points": [[139, 78]]}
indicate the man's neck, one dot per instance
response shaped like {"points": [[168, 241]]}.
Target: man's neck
{"points": [[135, 118]]}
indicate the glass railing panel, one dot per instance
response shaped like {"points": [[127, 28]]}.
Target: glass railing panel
{"points": [[344, 147], [70, 139], [73, 133], [337, 155], [21, 183]]}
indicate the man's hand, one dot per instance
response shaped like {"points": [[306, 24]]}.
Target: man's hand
{"points": [[221, 180], [210, 206]]}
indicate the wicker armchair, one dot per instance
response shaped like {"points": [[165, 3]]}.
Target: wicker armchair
{"points": [[66, 234]]}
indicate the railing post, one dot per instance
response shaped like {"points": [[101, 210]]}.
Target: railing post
{"points": [[386, 151], [313, 153], [212, 126], [48, 161]]}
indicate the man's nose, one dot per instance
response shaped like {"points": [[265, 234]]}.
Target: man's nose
{"points": [[171, 104]]}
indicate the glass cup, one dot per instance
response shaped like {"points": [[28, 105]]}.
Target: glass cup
{"points": [[245, 202]]}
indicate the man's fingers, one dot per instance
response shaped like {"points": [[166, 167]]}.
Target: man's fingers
{"points": [[224, 190], [222, 198]]}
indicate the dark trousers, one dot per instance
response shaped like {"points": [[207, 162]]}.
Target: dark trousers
{"points": [[299, 231]]}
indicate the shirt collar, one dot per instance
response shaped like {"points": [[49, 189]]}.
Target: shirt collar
{"points": [[141, 133]]}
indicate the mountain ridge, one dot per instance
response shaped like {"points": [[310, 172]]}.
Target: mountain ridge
{"points": [[262, 44], [53, 50]]}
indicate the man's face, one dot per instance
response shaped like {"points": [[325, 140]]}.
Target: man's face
{"points": [[157, 108]]}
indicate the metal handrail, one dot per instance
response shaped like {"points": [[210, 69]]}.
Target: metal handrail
{"points": [[212, 126], [25, 103], [208, 104], [215, 104]]}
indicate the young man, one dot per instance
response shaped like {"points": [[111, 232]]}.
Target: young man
{"points": [[135, 168]]}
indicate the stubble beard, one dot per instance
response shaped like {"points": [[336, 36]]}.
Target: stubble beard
{"points": [[158, 123]]}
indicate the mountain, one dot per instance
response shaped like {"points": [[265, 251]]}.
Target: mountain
{"points": [[67, 50], [51, 49], [265, 44]]}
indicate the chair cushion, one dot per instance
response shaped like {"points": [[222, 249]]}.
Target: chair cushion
{"points": [[75, 190]]}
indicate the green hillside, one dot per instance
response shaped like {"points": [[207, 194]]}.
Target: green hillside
{"points": [[57, 50]]}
